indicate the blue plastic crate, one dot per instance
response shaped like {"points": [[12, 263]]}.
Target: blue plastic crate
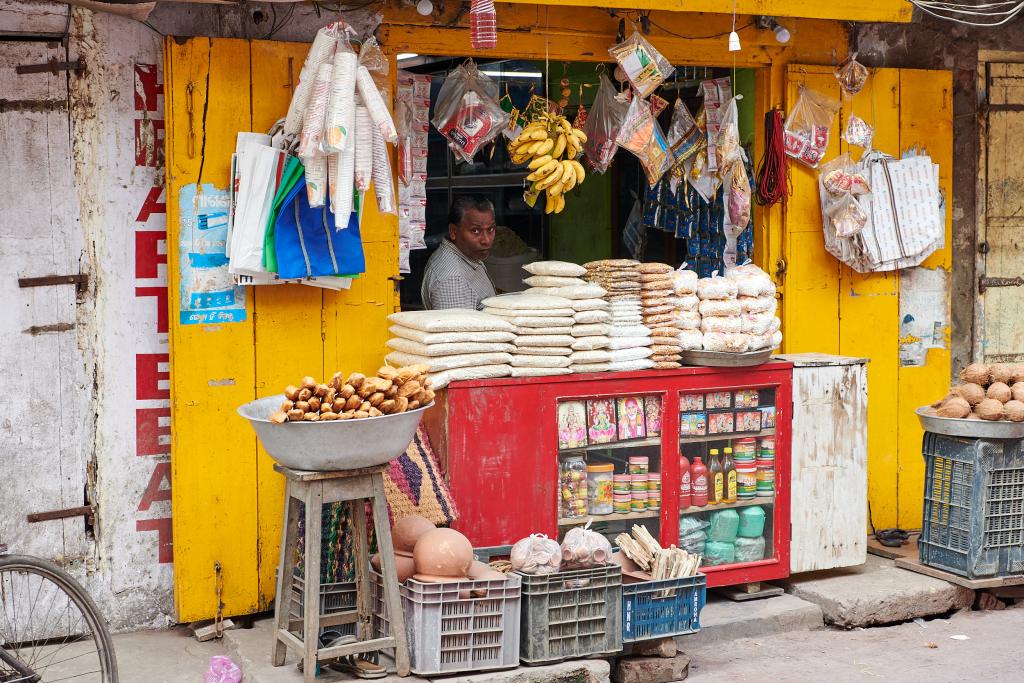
{"points": [[658, 609], [973, 506]]}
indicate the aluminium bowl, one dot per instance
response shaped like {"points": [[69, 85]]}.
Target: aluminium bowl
{"points": [[333, 445]]}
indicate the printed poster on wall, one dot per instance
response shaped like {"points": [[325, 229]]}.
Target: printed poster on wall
{"points": [[208, 292]]}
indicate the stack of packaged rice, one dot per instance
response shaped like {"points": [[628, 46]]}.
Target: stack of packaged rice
{"points": [[629, 340], [687, 321], [756, 296], [455, 343], [660, 312], [591, 318], [720, 321], [542, 325]]}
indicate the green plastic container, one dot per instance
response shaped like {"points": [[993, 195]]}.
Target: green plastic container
{"points": [[724, 525], [751, 522]]}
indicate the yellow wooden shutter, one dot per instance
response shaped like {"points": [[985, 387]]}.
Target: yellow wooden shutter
{"points": [[830, 308], [226, 497]]}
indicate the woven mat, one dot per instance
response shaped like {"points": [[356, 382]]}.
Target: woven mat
{"points": [[414, 485]]}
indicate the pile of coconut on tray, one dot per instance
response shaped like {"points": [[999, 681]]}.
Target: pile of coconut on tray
{"points": [[989, 392]]}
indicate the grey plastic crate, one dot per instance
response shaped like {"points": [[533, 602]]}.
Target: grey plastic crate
{"points": [[449, 632], [334, 597], [973, 506], [571, 614]]}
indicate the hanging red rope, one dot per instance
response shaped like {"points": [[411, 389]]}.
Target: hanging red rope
{"points": [[772, 184]]}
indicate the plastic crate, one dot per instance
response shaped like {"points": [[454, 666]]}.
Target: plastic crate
{"points": [[449, 633], [973, 506], [571, 614], [334, 597], [658, 609]]}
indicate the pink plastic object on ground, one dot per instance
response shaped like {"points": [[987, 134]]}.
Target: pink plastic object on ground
{"points": [[483, 24], [222, 670]]}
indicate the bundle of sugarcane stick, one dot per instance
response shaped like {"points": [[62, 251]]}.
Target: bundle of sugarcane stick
{"points": [[660, 563]]}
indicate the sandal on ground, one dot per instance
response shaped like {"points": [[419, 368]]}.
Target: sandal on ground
{"points": [[892, 538]]}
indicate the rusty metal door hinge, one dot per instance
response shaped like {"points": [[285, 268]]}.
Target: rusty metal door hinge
{"points": [[80, 281], [88, 511], [52, 67], [986, 282]]}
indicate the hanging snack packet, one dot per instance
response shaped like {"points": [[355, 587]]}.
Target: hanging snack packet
{"points": [[717, 94], [852, 75], [643, 65], [403, 126], [805, 136], [602, 126], [847, 216], [732, 172], [858, 132], [841, 185], [467, 112], [641, 135]]}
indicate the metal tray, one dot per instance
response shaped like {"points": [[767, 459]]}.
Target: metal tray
{"points": [[723, 359], [971, 429]]}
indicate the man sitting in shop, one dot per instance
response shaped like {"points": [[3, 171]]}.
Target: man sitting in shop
{"points": [[455, 275]]}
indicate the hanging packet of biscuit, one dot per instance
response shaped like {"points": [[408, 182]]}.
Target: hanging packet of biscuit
{"points": [[467, 112], [643, 65], [808, 126]]}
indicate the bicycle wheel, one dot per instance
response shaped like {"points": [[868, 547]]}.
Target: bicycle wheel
{"points": [[50, 629]]}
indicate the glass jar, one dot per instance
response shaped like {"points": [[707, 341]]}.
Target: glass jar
{"points": [[599, 489], [572, 486]]}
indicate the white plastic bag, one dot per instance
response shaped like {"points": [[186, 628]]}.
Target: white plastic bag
{"points": [[536, 554], [602, 126], [808, 125], [583, 548]]}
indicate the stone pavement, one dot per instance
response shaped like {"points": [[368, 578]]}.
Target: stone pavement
{"points": [[906, 653]]}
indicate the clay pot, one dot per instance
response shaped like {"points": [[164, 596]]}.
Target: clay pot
{"points": [[443, 555], [404, 566], [407, 531], [479, 571]]}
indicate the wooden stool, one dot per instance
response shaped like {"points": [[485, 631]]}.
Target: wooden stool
{"points": [[314, 489]]}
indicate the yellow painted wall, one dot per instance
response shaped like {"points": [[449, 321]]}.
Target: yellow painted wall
{"points": [[227, 498], [830, 308], [845, 10]]}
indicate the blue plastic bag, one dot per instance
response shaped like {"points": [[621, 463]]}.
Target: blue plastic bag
{"points": [[307, 243]]}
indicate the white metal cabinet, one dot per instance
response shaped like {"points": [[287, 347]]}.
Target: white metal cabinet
{"points": [[829, 462]]}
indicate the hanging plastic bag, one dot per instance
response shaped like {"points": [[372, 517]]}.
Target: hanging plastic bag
{"points": [[467, 112], [731, 170], [858, 132], [341, 104], [641, 135], [371, 59], [307, 246], [383, 183], [313, 122], [602, 126], [852, 75], [685, 137], [643, 65], [364, 148], [321, 52], [841, 184], [808, 125]]}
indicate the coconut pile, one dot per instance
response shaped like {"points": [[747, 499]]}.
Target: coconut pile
{"points": [[988, 392]]}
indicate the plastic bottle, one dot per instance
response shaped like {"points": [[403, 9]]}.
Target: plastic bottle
{"points": [[716, 479], [729, 472], [699, 479], [685, 489]]}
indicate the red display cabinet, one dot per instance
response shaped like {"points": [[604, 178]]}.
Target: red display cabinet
{"points": [[499, 444]]}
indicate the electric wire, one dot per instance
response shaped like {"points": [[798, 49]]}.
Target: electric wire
{"points": [[997, 13], [771, 182]]}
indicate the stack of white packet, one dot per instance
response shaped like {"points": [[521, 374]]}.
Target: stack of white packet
{"points": [[543, 324], [455, 343], [684, 282], [758, 307]]}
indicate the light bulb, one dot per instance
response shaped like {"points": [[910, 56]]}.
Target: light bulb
{"points": [[734, 42], [425, 7], [781, 34]]}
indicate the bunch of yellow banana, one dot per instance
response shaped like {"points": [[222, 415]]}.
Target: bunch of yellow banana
{"points": [[550, 146]]}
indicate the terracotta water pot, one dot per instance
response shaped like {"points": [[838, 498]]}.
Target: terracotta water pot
{"points": [[442, 555], [404, 566], [407, 531], [478, 571]]}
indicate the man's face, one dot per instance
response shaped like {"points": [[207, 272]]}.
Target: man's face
{"points": [[475, 234]]}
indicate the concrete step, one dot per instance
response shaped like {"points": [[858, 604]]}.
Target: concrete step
{"points": [[251, 650], [723, 620], [877, 592]]}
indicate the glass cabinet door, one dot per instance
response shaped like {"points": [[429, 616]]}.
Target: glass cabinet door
{"points": [[609, 463], [727, 475]]}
